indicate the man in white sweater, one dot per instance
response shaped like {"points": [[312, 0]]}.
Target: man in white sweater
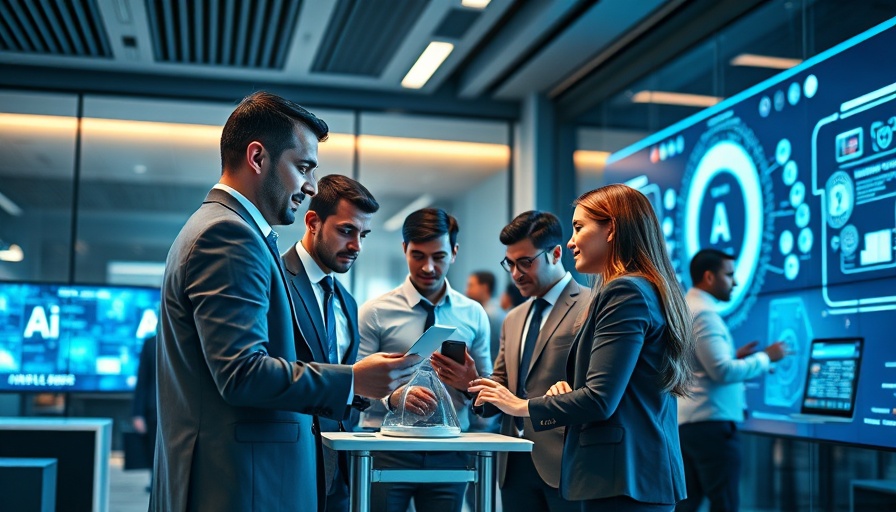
{"points": [[707, 420]]}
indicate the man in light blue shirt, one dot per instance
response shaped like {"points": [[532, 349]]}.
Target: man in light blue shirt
{"points": [[393, 321], [707, 420]]}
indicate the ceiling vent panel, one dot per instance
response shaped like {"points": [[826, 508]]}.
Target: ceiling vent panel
{"points": [[232, 33], [363, 35], [67, 28], [456, 23]]}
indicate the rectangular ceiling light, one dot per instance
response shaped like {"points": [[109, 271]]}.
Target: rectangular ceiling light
{"points": [[675, 98], [9, 206], [430, 60], [764, 61], [475, 4]]}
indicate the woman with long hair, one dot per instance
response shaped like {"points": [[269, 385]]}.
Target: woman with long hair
{"points": [[627, 365]]}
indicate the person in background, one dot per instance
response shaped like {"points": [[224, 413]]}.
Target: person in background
{"points": [[628, 363], [336, 224], [708, 418], [235, 398], [511, 297], [144, 416], [393, 322], [481, 288], [535, 342]]}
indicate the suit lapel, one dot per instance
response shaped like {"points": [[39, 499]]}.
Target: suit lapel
{"points": [[298, 280], [228, 201], [565, 303], [512, 350]]}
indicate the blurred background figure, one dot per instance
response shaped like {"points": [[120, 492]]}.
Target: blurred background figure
{"points": [[144, 409], [511, 297], [481, 288]]}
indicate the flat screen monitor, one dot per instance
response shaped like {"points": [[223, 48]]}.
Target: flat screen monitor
{"points": [[796, 178], [60, 337]]}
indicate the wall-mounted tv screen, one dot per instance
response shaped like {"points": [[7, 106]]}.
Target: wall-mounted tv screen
{"points": [[797, 178], [57, 337]]}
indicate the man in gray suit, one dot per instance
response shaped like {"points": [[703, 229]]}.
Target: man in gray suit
{"points": [[336, 223], [235, 403], [535, 341]]}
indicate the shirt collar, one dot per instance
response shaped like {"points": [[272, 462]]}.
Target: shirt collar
{"points": [[553, 295], [249, 206], [413, 296], [312, 269], [705, 296]]}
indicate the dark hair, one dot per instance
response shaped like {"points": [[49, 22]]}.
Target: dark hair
{"points": [[543, 228], [707, 259], [428, 224], [516, 297], [638, 248], [487, 278], [335, 187], [266, 118]]}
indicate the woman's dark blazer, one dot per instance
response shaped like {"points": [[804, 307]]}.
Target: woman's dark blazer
{"points": [[622, 428]]}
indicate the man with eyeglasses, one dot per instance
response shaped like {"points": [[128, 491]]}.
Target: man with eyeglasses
{"points": [[535, 342]]}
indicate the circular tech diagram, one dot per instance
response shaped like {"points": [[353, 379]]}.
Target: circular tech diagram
{"points": [[727, 203]]}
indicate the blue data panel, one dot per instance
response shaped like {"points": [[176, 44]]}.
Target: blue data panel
{"points": [[73, 337], [797, 177]]}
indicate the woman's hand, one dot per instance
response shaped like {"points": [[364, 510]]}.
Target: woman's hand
{"points": [[560, 388], [499, 396]]}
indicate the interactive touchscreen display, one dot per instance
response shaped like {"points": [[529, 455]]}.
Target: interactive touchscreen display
{"points": [[797, 178]]}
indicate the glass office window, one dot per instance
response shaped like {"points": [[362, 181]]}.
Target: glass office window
{"points": [[412, 162], [146, 166], [37, 154]]}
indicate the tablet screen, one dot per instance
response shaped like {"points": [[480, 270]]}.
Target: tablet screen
{"points": [[431, 340]]}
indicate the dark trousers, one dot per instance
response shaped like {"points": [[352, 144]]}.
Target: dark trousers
{"points": [[338, 498], [711, 453], [428, 497], [525, 490], [623, 504]]}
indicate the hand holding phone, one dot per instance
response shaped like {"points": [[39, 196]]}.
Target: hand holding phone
{"points": [[456, 350]]}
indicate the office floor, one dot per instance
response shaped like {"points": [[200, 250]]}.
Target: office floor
{"points": [[127, 489]]}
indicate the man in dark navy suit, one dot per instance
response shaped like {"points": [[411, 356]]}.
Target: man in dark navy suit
{"points": [[236, 394], [337, 221]]}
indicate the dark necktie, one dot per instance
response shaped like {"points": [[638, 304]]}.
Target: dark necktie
{"points": [[430, 314], [271, 239], [330, 319], [528, 349]]}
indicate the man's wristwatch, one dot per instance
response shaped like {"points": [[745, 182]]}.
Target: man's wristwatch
{"points": [[360, 403]]}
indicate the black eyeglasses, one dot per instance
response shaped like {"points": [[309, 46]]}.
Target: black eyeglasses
{"points": [[523, 264]]}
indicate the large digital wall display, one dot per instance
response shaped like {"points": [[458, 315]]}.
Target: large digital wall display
{"points": [[73, 337], [797, 177]]}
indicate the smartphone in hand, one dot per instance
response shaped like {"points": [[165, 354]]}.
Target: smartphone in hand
{"points": [[455, 350]]}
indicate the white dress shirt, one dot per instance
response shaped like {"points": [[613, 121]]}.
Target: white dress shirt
{"points": [[718, 390]]}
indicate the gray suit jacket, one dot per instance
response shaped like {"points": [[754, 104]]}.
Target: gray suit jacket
{"points": [[622, 430], [235, 409], [548, 366]]}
